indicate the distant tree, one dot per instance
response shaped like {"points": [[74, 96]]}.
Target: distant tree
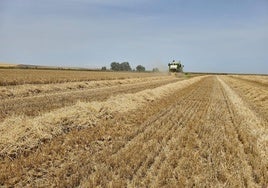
{"points": [[115, 66], [155, 70], [103, 68], [125, 66], [140, 68]]}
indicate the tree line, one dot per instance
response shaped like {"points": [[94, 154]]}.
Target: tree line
{"points": [[125, 66]]}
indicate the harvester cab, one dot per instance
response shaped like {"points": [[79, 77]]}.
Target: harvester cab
{"points": [[175, 66]]}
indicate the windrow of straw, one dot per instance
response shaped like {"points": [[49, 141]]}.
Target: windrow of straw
{"points": [[21, 134], [251, 121], [27, 90], [256, 78]]}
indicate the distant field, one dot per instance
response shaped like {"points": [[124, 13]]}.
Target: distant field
{"points": [[6, 65], [113, 129], [32, 76]]}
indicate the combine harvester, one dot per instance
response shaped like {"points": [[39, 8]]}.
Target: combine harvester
{"points": [[175, 68]]}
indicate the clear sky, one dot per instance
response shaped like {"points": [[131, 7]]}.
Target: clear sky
{"points": [[206, 35]]}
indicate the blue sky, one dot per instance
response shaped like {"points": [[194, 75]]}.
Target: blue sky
{"points": [[206, 35]]}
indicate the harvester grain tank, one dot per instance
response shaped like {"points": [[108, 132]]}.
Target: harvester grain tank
{"points": [[175, 66]]}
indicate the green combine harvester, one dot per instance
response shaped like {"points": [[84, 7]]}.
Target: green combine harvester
{"points": [[175, 67]]}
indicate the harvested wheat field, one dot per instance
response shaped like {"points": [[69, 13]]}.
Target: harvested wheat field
{"points": [[36, 76], [138, 131]]}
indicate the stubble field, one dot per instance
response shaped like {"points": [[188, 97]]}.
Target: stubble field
{"points": [[136, 130]]}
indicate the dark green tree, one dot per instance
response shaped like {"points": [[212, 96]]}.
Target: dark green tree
{"points": [[140, 68], [115, 66], [125, 66]]}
